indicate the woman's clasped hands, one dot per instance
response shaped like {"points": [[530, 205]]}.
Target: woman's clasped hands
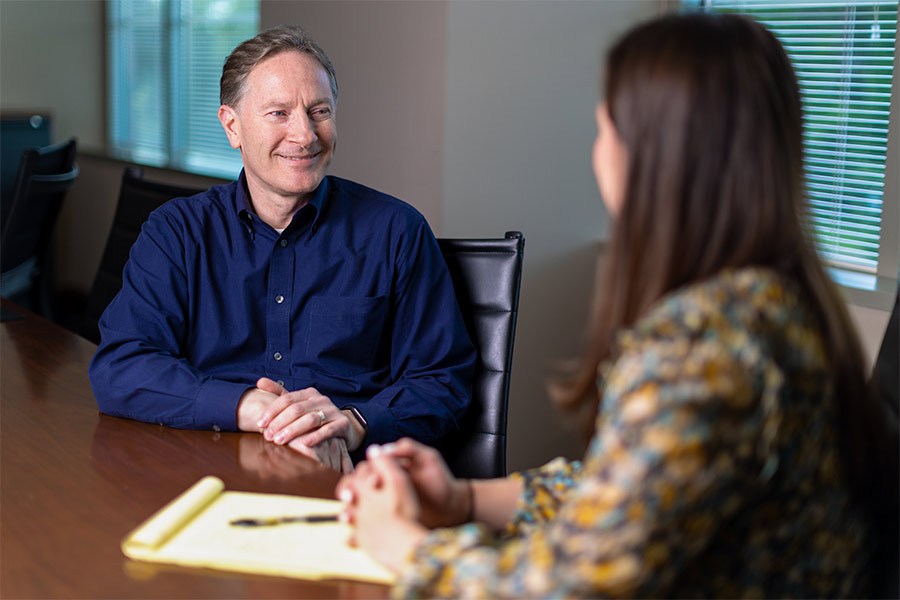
{"points": [[400, 491]]}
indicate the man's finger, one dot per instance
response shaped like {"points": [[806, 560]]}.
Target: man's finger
{"points": [[346, 461], [267, 385], [306, 428], [274, 409], [319, 435]]}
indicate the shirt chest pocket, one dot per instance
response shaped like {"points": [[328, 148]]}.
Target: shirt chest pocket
{"points": [[345, 333]]}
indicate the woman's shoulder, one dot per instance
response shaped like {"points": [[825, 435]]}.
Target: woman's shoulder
{"points": [[751, 299], [752, 321]]}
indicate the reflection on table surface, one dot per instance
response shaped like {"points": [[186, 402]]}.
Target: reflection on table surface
{"points": [[74, 482]]}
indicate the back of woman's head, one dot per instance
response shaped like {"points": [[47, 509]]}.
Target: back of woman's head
{"points": [[708, 109]]}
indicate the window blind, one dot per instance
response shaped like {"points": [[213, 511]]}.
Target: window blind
{"points": [[843, 54], [165, 59]]}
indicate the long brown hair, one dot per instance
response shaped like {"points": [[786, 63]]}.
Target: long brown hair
{"points": [[708, 108]]}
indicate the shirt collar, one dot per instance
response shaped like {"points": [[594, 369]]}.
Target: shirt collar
{"points": [[245, 209]]}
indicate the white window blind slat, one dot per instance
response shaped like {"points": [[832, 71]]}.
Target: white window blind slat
{"points": [[815, 150], [856, 183]]}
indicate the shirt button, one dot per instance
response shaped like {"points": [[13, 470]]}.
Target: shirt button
{"points": [[284, 243], [279, 299], [216, 428], [280, 382], [277, 356]]}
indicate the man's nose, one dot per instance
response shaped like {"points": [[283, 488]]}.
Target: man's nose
{"points": [[300, 129]]}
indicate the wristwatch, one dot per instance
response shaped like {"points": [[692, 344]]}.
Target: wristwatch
{"points": [[359, 417]]}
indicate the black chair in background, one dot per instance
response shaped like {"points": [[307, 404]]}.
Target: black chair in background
{"points": [[19, 131], [45, 174], [137, 199], [486, 275], [886, 385]]}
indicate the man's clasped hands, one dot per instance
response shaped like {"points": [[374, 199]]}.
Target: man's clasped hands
{"points": [[304, 420]]}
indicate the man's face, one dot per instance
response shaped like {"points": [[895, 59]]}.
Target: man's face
{"points": [[284, 126]]}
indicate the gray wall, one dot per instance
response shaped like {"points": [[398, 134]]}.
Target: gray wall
{"points": [[51, 58], [522, 83], [389, 59], [477, 113]]}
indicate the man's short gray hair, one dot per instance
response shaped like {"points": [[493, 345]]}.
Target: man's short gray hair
{"points": [[268, 43]]}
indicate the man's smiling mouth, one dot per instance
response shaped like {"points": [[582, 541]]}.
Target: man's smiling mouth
{"points": [[302, 158]]}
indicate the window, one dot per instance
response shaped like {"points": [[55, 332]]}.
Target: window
{"points": [[843, 54], [164, 61]]}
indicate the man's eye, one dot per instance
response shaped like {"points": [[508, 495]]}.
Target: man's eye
{"points": [[278, 113], [321, 113]]}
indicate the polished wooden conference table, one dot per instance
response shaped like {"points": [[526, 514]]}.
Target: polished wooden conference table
{"points": [[74, 482]]}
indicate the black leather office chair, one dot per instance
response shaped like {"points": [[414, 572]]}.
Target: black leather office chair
{"points": [[45, 174], [19, 131], [137, 199], [486, 276], [884, 382]]}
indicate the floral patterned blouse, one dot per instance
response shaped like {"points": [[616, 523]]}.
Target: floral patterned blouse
{"points": [[714, 470]]}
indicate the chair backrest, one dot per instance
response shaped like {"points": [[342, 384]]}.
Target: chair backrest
{"points": [[885, 383], [137, 199], [486, 275], [45, 174], [18, 132]]}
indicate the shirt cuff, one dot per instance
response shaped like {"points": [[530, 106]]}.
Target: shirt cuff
{"points": [[216, 405], [381, 424]]}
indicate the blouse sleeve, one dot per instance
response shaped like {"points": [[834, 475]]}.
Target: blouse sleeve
{"points": [[677, 441], [544, 490]]}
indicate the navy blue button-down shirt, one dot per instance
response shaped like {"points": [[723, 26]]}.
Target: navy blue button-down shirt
{"points": [[352, 298]]}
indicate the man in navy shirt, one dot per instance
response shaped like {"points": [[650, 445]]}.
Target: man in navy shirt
{"points": [[309, 308]]}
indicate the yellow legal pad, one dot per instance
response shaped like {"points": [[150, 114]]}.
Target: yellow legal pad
{"points": [[194, 530]]}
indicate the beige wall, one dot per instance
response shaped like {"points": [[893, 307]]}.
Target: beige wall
{"points": [[522, 81], [870, 323], [51, 58], [477, 113], [389, 59]]}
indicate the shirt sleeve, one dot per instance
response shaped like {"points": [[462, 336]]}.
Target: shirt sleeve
{"points": [[432, 358], [679, 427], [139, 371]]}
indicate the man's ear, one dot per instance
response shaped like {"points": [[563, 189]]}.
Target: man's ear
{"points": [[231, 124]]}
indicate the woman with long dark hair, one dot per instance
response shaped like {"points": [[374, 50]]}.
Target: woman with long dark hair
{"points": [[722, 387]]}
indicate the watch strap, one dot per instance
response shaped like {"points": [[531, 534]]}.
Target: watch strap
{"points": [[358, 416]]}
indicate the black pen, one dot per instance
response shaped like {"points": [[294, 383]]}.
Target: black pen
{"points": [[267, 521]]}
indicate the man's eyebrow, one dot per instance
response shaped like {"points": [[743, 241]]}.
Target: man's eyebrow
{"points": [[287, 104], [275, 104]]}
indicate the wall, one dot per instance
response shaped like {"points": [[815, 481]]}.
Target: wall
{"points": [[51, 58], [870, 323], [389, 59], [522, 84]]}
